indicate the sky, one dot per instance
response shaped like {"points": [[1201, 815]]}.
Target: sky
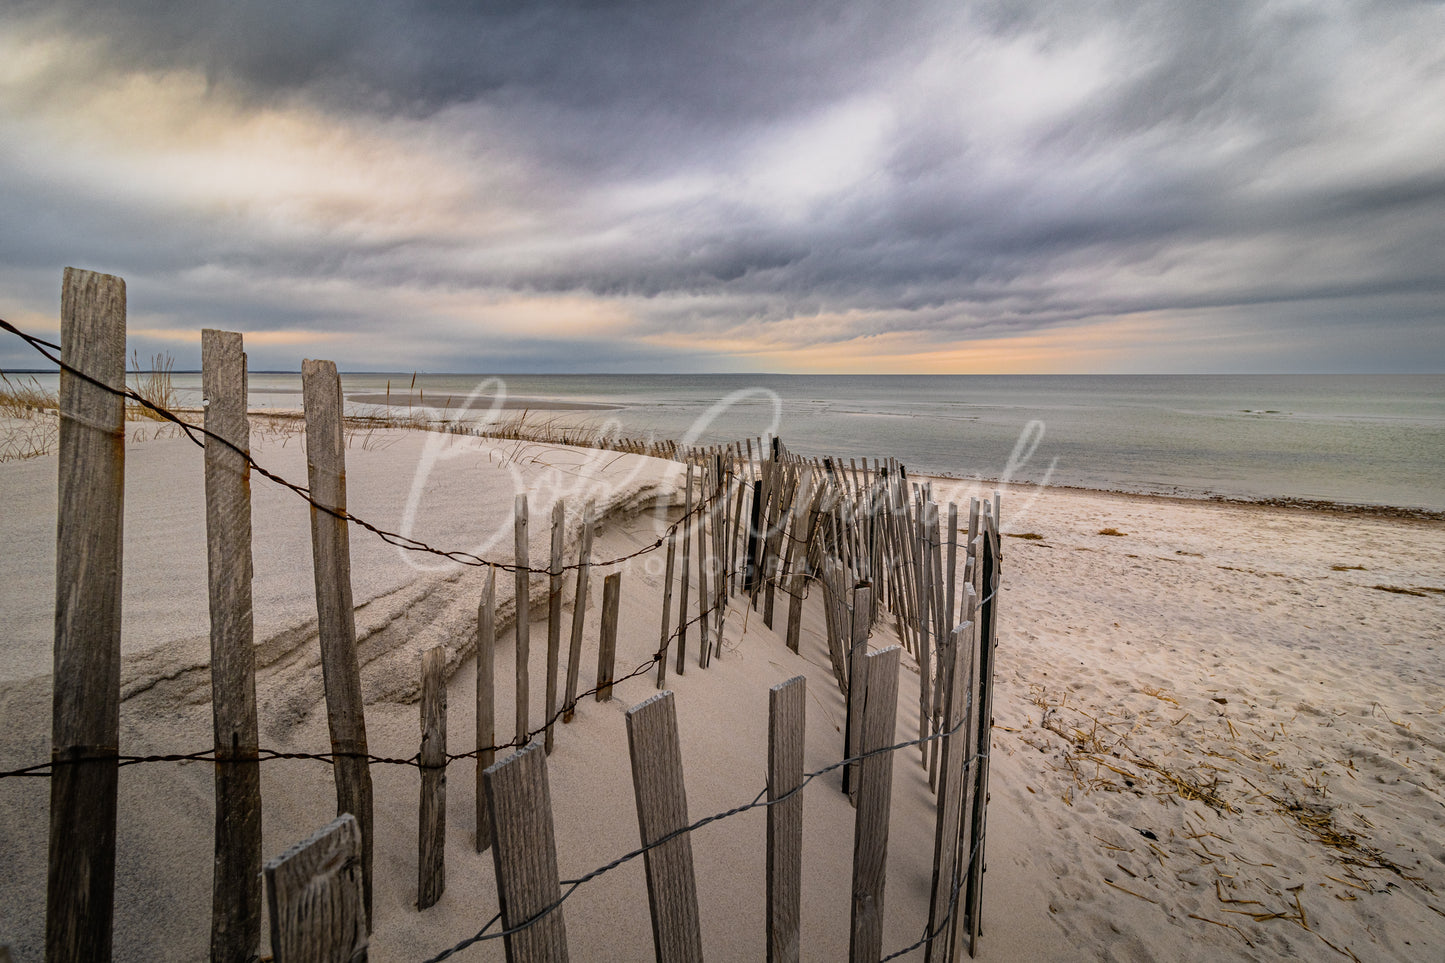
{"points": [[1086, 186]]}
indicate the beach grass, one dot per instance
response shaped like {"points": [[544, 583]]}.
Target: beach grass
{"points": [[153, 384], [28, 423]]}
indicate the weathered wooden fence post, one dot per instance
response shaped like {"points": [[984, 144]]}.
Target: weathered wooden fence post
{"points": [[703, 571], [315, 894], [666, 637], [787, 702], [521, 558], [336, 621], [988, 628], [554, 617], [662, 810], [524, 853], [236, 890], [579, 611], [859, 664], [753, 545], [432, 758], [870, 827], [946, 903], [486, 702], [85, 730], [607, 639], [685, 531]]}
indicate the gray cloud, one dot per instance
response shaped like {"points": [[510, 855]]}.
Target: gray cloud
{"points": [[1036, 165]]}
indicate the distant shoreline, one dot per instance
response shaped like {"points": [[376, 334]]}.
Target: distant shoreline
{"points": [[400, 400]]}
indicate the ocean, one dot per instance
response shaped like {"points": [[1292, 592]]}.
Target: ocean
{"points": [[1375, 440], [1372, 440]]}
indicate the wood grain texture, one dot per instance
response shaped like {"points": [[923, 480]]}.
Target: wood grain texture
{"points": [[85, 720], [799, 583], [703, 574], [657, 783], [554, 617], [521, 555], [236, 890], [524, 854], [752, 535], [665, 640], [336, 620], [685, 532], [944, 904], [958, 923], [735, 533], [859, 664], [486, 702], [988, 632], [923, 572], [607, 637], [941, 636], [314, 892], [579, 610], [432, 757], [787, 702], [777, 520], [875, 791]]}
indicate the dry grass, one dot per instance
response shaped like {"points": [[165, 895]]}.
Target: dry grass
{"points": [[1029, 536], [30, 425], [153, 384], [24, 397], [1112, 531]]}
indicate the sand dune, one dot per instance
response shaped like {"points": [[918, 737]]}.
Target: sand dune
{"points": [[1218, 734]]}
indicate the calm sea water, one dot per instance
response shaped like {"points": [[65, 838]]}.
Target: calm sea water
{"points": [[1357, 439]]}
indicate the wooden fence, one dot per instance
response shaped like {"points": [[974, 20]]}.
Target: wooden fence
{"points": [[758, 528]]}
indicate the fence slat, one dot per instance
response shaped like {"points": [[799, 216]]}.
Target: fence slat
{"points": [[554, 616], [607, 637], [753, 534], [522, 558], [947, 898], [787, 703], [432, 816], [336, 621], [666, 640], [988, 627], [314, 892], [85, 732], [579, 611], [236, 890], [662, 809], [958, 923], [875, 790], [524, 853], [486, 702], [703, 573], [685, 531], [859, 665]]}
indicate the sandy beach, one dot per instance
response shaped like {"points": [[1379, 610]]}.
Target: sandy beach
{"points": [[1219, 731]]}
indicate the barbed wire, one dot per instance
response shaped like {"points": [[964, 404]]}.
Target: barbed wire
{"points": [[856, 495], [758, 802], [196, 434]]}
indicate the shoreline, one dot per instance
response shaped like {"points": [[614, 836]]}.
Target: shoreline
{"points": [[1275, 503], [394, 400]]}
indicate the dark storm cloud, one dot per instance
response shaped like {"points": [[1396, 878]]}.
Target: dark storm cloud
{"points": [[1035, 164]]}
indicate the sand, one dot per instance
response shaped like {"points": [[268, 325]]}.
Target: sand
{"points": [[1215, 736]]}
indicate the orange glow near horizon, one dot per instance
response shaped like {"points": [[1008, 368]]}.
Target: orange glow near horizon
{"points": [[1102, 345]]}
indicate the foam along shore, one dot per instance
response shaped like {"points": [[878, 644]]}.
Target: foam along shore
{"points": [[1218, 731]]}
